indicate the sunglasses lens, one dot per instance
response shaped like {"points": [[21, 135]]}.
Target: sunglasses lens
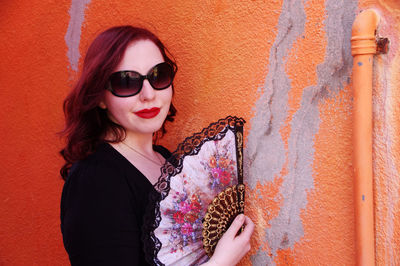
{"points": [[129, 83], [126, 83], [161, 76]]}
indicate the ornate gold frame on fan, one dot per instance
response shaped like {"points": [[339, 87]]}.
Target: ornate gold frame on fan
{"points": [[220, 214]]}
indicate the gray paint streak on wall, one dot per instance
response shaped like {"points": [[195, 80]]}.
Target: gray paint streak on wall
{"points": [[261, 258], [287, 229], [73, 35], [265, 152]]}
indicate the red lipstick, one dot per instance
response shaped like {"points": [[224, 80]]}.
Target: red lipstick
{"points": [[148, 113]]}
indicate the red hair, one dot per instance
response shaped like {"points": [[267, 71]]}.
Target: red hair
{"points": [[86, 123]]}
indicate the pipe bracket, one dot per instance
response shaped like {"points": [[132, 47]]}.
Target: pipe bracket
{"points": [[382, 45]]}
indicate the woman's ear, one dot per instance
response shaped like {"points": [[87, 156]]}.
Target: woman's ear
{"points": [[102, 105]]}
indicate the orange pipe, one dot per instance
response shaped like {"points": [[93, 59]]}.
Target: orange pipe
{"points": [[363, 48]]}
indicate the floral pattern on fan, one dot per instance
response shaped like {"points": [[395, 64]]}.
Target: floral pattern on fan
{"points": [[221, 168], [185, 220], [186, 213]]}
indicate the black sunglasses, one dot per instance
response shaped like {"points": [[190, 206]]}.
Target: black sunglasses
{"points": [[129, 83]]}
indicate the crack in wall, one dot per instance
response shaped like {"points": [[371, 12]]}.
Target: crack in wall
{"points": [[265, 152], [73, 36]]}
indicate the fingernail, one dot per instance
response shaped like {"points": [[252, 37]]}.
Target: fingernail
{"points": [[240, 217]]}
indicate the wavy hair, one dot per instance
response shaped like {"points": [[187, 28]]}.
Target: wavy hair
{"points": [[86, 124]]}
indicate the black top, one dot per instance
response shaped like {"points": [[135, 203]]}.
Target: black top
{"points": [[102, 207]]}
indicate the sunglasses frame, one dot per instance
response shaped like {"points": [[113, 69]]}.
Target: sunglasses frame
{"points": [[142, 78]]}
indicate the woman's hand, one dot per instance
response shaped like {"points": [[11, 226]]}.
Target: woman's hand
{"points": [[232, 247]]}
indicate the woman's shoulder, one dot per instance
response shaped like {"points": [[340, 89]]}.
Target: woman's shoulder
{"points": [[96, 177], [98, 166]]}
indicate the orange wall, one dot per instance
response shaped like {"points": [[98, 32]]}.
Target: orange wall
{"points": [[283, 65]]}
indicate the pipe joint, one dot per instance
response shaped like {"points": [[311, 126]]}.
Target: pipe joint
{"points": [[363, 45], [369, 44], [364, 38]]}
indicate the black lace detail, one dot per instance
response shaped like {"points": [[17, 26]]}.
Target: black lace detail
{"points": [[173, 166]]}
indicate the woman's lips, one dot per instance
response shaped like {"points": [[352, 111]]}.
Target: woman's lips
{"points": [[148, 113]]}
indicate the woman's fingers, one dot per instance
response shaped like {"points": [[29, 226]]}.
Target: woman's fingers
{"points": [[249, 228], [232, 247], [247, 232], [235, 226]]}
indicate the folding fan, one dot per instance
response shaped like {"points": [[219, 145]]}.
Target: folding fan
{"points": [[198, 195]]}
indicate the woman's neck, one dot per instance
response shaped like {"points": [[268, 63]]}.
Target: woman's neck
{"points": [[138, 150], [141, 142]]}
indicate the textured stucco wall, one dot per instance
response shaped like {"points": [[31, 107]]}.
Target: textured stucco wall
{"points": [[283, 65]]}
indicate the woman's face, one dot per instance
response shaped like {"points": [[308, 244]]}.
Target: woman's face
{"points": [[145, 112]]}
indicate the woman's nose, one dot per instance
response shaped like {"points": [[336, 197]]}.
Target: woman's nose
{"points": [[147, 93]]}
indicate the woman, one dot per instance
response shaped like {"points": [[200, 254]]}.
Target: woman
{"points": [[123, 97]]}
